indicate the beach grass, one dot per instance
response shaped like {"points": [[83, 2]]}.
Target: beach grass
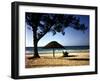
{"points": [[47, 60]]}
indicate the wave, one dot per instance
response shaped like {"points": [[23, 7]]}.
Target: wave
{"points": [[58, 51]]}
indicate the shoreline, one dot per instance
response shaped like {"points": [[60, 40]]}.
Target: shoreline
{"points": [[49, 52]]}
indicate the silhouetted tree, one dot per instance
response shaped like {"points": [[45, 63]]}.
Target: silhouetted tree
{"points": [[42, 23]]}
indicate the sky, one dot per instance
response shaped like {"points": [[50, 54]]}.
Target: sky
{"points": [[72, 37]]}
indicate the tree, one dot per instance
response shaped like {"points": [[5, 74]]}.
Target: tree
{"points": [[41, 23]]}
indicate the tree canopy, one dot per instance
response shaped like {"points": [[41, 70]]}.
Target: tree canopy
{"points": [[44, 22]]}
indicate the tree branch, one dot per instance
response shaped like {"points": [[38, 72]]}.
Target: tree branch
{"points": [[44, 33]]}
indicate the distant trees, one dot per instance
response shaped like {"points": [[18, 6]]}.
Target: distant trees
{"points": [[41, 23]]}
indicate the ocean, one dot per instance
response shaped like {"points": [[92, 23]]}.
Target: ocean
{"points": [[70, 49]]}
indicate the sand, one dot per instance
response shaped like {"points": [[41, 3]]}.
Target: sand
{"points": [[47, 60]]}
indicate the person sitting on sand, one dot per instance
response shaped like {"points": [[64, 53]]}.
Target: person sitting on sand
{"points": [[65, 53]]}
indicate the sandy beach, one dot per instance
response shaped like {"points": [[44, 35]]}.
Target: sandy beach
{"points": [[47, 60]]}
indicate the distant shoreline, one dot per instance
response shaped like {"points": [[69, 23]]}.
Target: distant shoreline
{"points": [[65, 46]]}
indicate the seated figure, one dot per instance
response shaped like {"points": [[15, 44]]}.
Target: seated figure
{"points": [[65, 54]]}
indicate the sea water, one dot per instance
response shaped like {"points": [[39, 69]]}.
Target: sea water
{"points": [[70, 49]]}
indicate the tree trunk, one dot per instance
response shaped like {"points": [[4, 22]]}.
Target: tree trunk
{"points": [[35, 42]]}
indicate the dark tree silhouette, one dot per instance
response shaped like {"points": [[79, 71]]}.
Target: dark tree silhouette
{"points": [[41, 23]]}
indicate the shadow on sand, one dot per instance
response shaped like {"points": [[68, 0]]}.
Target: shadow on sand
{"points": [[72, 56], [80, 59]]}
